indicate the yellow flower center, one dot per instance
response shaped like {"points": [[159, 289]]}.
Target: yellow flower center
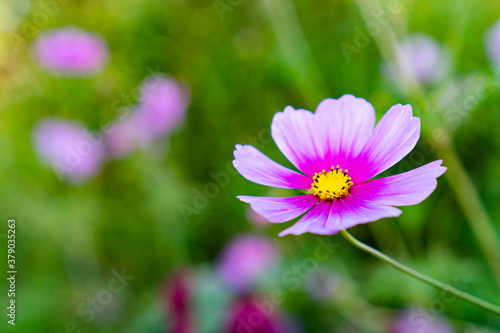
{"points": [[332, 184]]}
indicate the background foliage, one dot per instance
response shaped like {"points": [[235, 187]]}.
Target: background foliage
{"points": [[241, 72]]}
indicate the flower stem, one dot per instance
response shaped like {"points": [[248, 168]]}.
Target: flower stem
{"points": [[419, 276], [466, 191], [295, 50]]}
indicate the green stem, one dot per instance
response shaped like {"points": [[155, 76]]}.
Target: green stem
{"points": [[466, 191], [295, 50], [419, 276]]}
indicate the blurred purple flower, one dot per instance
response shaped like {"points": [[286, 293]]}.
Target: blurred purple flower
{"points": [[419, 321], [419, 57], [161, 110], [126, 134], [245, 259], [73, 152], [252, 315], [177, 301], [163, 105], [255, 218], [71, 51], [492, 43]]}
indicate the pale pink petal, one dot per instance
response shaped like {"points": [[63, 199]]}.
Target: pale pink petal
{"points": [[394, 137], [278, 210], [335, 134], [296, 135], [409, 188], [329, 217], [345, 124], [314, 221], [258, 168]]}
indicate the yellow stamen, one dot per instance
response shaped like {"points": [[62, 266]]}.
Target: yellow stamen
{"points": [[332, 184]]}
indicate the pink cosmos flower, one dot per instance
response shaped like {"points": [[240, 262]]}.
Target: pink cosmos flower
{"points": [[72, 151], [492, 43], [71, 51], [338, 150], [245, 259]]}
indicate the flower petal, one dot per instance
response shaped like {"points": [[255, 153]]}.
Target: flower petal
{"points": [[314, 221], [345, 124], [336, 133], [277, 210], [394, 137], [409, 188], [329, 217], [258, 168], [294, 133]]}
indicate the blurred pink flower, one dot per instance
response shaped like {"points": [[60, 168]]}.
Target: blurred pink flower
{"points": [[253, 315], [419, 321], [126, 134], [72, 151], [419, 57], [178, 302], [71, 51], [245, 259], [161, 110], [163, 104], [492, 43]]}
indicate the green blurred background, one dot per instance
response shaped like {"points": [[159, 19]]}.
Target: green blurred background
{"points": [[243, 61]]}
